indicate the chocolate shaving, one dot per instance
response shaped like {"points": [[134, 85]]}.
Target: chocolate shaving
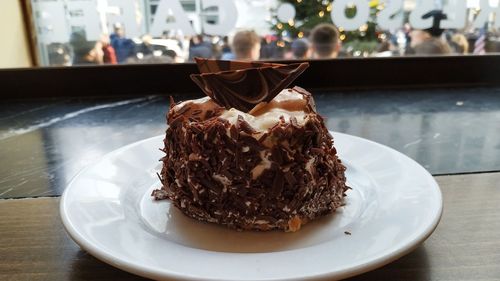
{"points": [[263, 137], [290, 178], [176, 121], [316, 150], [245, 127], [196, 111], [183, 110], [276, 155], [278, 183], [172, 102], [233, 132]]}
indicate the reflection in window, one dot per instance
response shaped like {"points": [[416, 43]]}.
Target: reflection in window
{"points": [[73, 32]]}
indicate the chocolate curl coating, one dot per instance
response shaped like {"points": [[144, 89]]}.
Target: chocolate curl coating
{"points": [[243, 89], [305, 179]]}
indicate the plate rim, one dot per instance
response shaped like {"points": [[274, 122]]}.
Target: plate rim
{"points": [[152, 272]]}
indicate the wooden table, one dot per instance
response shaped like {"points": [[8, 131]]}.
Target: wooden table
{"points": [[465, 246]]}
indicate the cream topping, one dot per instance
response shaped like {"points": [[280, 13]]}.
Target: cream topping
{"points": [[288, 103], [180, 105], [265, 121]]}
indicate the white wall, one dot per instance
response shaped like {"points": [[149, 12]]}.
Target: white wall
{"points": [[14, 47]]}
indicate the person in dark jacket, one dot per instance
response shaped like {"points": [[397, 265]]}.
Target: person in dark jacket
{"points": [[300, 48], [124, 47], [199, 48], [84, 51]]}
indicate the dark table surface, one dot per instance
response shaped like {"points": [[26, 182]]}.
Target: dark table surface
{"points": [[465, 245], [44, 143]]}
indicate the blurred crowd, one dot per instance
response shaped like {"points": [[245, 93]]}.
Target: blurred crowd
{"points": [[322, 42]]}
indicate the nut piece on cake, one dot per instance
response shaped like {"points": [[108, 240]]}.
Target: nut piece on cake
{"points": [[251, 155]]}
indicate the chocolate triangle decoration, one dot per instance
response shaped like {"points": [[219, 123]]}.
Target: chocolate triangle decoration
{"points": [[212, 66], [243, 85]]}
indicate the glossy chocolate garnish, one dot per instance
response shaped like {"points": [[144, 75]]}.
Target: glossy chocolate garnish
{"points": [[243, 85], [213, 66]]}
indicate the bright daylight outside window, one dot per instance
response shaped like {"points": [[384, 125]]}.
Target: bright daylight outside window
{"points": [[74, 32]]}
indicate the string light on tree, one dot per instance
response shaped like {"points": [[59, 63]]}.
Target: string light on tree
{"points": [[308, 14]]}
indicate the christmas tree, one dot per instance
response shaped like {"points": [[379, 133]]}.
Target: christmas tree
{"points": [[309, 13]]}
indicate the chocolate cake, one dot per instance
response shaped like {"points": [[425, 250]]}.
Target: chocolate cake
{"points": [[251, 155]]}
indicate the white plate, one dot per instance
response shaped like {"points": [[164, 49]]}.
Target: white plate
{"points": [[394, 205]]}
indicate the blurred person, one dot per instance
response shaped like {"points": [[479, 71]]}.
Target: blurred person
{"points": [[124, 47], [300, 49], [226, 53], [176, 35], [325, 43], [85, 52], [59, 54], [459, 43], [217, 45], [228, 56], [199, 48], [383, 49], [388, 47], [226, 48], [146, 47], [269, 48], [419, 36], [109, 54], [150, 59], [165, 34], [433, 46], [246, 45], [430, 37], [481, 41]]}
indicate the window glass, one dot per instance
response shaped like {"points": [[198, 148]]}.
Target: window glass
{"points": [[76, 32]]}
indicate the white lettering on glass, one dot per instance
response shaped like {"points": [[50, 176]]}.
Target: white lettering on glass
{"points": [[484, 14], [170, 16], [422, 7], [126, 14], [340, 18], [391, 17], [84, 15], [286, 12], [56, 19], [228, 15], [51, 22], [456, 14]]}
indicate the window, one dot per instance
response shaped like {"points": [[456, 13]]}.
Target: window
{"points": [[71, 32]]}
